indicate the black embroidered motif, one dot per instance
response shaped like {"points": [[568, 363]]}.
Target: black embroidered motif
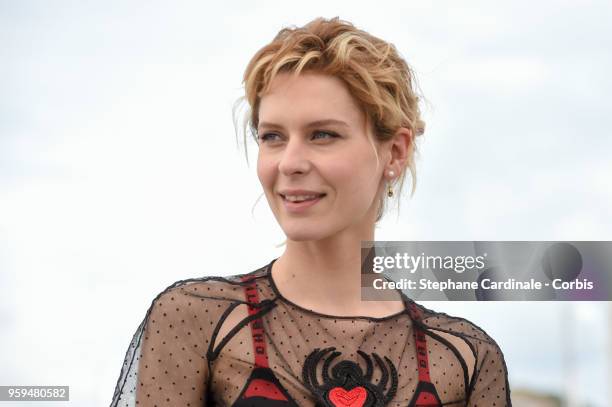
{"points": [[348, 386]]}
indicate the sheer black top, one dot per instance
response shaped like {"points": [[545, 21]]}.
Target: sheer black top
{"points": [[236, 341]]}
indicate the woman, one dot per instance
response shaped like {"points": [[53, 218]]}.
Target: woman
{"points": [[335, 116]]}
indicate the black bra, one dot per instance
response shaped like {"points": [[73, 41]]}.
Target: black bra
{"points": [[263, 389]]}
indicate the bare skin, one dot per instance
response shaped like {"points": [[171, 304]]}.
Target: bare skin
{"points": [[320, 268]]}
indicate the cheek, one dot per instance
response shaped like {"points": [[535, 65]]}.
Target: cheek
{"points": [[260, 173], [354, 175], [342, 176], [265, 172]]}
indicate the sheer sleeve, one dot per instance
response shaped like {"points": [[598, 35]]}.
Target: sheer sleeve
{"points": [[172, 368], [489, 385], [166, 362]]}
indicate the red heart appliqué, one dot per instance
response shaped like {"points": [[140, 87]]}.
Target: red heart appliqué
{"points": [[356, 397]]}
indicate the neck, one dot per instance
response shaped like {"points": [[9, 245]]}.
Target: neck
{"points": [[325, 275]]}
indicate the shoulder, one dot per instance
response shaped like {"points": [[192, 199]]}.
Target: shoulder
{"points": [[484, 362], [219, 288], [472, 342], [210, 295], [455, 325]]}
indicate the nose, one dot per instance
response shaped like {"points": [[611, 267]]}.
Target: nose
{"points": [[295, 158]]}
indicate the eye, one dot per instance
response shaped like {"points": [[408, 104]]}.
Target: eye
{"points": [[267, 137], [328, 133], [317, 135]]}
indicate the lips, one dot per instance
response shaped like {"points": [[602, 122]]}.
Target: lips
{"points": [[296, 198], [297, 204], [299, 195]]}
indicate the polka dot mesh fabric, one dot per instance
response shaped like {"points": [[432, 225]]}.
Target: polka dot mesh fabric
{"points": [[195, 347]]}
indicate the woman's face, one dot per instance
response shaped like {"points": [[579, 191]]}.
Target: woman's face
{"points": [[316, 161]]}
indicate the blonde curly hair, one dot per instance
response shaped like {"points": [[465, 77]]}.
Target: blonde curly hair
{"points": [[376, 75]]}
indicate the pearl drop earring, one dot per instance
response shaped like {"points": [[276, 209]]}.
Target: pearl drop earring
{"points": [[389, 187]]}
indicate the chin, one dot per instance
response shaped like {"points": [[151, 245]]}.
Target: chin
{"points": [[299, 233], [302, 236]]}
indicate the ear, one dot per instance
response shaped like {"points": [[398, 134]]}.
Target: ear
{"points": [[400, 148]]}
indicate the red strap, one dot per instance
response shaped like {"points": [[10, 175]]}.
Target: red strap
{"points": [[257, 330], [421, 344]]}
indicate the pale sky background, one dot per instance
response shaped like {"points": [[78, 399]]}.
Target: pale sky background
{"points": [[120, 173]]}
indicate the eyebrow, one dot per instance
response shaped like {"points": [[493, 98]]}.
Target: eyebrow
{"points": [[309, 125]]}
